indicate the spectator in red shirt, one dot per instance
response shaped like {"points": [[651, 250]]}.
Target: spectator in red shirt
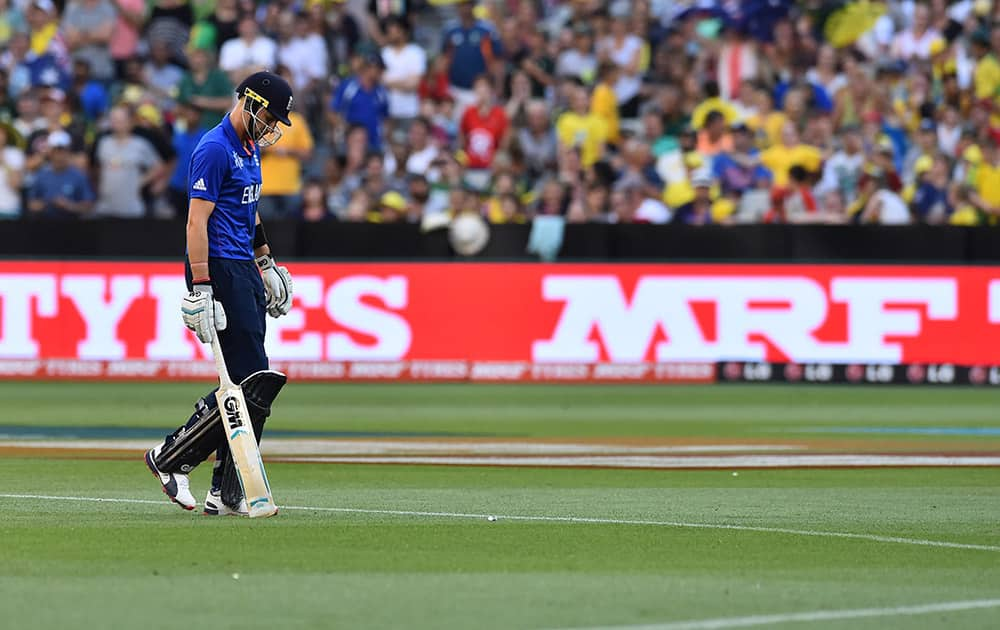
{"points": [[483, 130]]}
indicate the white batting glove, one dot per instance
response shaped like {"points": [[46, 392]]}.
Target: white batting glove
{"points": [[202, 314], [277, 286]]}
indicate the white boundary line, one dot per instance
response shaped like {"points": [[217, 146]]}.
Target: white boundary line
{"points": [[815, 615], [568, 519]]}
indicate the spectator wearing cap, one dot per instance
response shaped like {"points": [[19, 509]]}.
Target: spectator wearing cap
{"points": [[483, 129], [43, 25], [780, 158], [206, 87], [248, 53], [926, 145], [60, 189], [472, 48], [125, 164], [87, 29], [581, 128], [405, 64], [11, 173], [970, 157], [391, 209], [281, 166], [54, 118], [580, 60], [187, 132], [698, 210], [362, 100], [624, 49], [931, 201], [130, 19]]}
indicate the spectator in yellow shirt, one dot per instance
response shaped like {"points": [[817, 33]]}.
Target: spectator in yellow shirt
{"points": [[281, 167], [986, 194], [604, 103], [581, 128], [987, 74], [790, 152], [713, 103]]}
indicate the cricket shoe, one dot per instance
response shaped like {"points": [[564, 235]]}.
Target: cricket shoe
{"points": [[215, 507], [175, 485]]}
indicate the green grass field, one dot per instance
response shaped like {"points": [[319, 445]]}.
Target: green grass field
{"points": [[385, 545]]}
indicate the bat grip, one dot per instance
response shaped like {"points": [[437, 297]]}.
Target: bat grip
{"points": [[220, 363]]}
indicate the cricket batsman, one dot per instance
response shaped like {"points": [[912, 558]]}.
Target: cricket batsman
{"points": [[232, 281]]}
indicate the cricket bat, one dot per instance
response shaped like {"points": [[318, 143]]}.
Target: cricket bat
{"points": [[242, 441]]}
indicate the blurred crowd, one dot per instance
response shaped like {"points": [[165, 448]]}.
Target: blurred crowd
{"points": [[645, 111]]}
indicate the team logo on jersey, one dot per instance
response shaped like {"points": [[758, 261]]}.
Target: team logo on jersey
{"points": [[251, 194], [238, 160]]}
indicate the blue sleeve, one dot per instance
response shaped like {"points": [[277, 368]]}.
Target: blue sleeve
{"points": [[383, 102], [446, 44], [37, 190], [779, 95], [821, 99], [338, 96], [82, 191], [496, 43], [208, 169], [719, 165]]}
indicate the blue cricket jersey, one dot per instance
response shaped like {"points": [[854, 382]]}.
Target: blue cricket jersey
{"points": [[225, 172]]}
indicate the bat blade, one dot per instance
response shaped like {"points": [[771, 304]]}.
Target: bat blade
{"points": [[245, 452]]}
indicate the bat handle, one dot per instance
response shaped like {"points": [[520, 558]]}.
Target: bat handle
{"points": [[220, 362]]}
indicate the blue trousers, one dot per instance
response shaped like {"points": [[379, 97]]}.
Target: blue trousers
{"points": [[237, 285]]}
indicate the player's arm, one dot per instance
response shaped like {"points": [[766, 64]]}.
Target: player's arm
{"points": [[197, 238], [200, 311], [277, 280]]}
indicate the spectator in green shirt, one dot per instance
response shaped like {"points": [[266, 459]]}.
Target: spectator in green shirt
{"points": [[207, 87]]}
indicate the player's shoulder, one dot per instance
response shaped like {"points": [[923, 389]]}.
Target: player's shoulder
{"points": [[212, 142]]}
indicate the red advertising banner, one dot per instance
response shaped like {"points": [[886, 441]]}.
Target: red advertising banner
{"points": [[537, 322]]}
